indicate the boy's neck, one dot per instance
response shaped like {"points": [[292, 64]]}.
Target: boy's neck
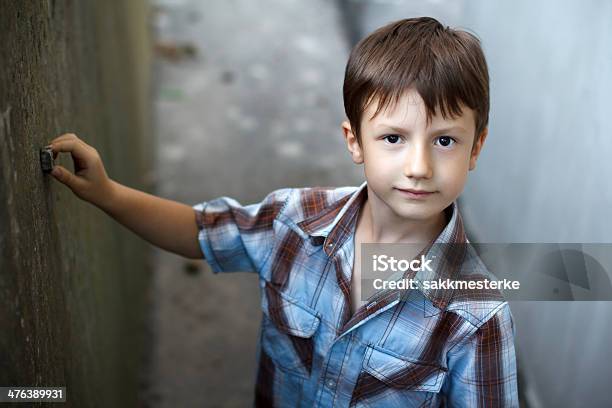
{"points": [[380, 225]]}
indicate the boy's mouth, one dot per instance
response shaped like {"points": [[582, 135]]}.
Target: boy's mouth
{"points": [[412, 193]]}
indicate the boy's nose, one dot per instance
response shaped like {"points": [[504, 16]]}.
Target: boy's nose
{"points": [[418, 163]]}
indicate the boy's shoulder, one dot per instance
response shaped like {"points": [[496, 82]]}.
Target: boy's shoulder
{"points": [[301, 204], [478, 303], [477, 309]]}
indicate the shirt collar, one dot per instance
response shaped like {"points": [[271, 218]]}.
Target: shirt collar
{"points": [[332, 226], [448, 253]]}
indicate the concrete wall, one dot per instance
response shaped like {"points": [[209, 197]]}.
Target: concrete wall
{"points": [[72, 281]]}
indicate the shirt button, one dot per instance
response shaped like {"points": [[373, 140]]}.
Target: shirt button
{"points": [[331, 383]]}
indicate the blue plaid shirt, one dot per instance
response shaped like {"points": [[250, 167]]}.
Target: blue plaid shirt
{"points": [[430, 348]]}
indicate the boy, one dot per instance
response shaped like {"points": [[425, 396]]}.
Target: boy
{"points": [[416, 97]]}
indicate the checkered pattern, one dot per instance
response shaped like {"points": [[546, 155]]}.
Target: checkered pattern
{"points": [[416, 348]]}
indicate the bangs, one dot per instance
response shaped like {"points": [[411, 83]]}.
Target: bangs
{"points": [[446, 67]]}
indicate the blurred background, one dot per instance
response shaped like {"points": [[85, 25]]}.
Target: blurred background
{"points": [[193, 100]]}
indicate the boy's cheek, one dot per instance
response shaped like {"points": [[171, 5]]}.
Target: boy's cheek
{"points": [[454, 186]]}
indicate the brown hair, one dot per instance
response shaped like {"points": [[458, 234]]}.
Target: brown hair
{"points": [[446, 67]]}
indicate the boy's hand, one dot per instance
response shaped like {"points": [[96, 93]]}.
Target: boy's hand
{"points": [[89, 182], [167, 224]]}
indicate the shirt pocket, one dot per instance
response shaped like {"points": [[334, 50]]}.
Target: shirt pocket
{"points": [[388, 377], [288, 329]]}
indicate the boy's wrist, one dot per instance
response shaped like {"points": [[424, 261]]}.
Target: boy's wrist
{"points": [[108, 196]]}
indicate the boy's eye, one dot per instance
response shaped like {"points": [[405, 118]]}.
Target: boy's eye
{"points": [[393, 139], [445, 141]]}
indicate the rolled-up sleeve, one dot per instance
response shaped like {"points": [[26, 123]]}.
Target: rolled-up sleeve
{"points": [[482, 369], [237, 238]]}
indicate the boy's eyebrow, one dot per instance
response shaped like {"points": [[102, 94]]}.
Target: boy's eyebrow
{"points": [[440, 130]]}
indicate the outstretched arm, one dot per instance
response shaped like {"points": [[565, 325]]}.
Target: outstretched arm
{"points": [[167, 224]]}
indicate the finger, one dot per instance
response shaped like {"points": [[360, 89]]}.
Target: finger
{"points": [[64, 137], [66, 177], [73, 146]]}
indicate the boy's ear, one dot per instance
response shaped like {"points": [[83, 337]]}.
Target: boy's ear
{"points": [[478, 147], [351, 143]]}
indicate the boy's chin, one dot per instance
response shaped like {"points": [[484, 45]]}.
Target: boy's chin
{"points": [[417, 211]]}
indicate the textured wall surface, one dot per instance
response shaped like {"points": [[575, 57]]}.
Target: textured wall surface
{"points": [[72, 281]]}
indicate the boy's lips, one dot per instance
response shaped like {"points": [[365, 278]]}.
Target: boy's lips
{"points": [[413, 190], [413, 193]]}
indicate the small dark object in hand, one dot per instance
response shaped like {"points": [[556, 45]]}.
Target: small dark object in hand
{"points": [[46, 159]]}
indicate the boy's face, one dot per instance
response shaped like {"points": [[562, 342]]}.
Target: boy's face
{"points": [[399, 151]]}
